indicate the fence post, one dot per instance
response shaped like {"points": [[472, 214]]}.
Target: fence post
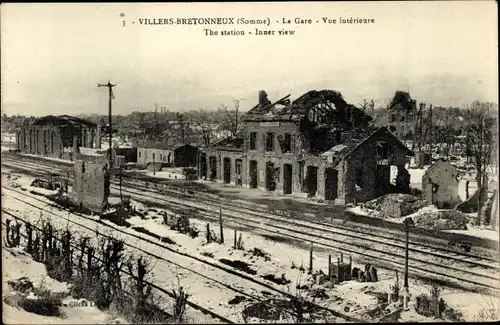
{"points": [[29, 235], [8, 230], [329, 267], [338, 269], [350, 267], [311, 259], [235, 234], [36, 247], [17, 239], [90, 252], [221, 228], [208, 233], [66, 252]]}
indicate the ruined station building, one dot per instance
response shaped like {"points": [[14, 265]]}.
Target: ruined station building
{"points": [[316, 146], [57, 136]]}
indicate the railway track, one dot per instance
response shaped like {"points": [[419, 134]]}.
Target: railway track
{"points": [[431, 244], [76, 248], [446, 264], [219, 275]]}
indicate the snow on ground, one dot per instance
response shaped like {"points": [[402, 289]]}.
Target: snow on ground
{"points": [[480, 232], [163, 174], [485, 232], [48, 158], [16, 264], [352, 295]]}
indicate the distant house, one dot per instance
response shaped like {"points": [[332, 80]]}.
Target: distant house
{"points": [[178, 155], [440, 184]]}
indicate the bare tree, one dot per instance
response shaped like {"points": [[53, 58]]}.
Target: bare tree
{"points": [[233, 116], [479, 128], [206, 124]]}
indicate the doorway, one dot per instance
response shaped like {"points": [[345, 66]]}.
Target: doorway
{"points": [[287, 179], [227, 170], [331, 184], [213, 167], [253, 174], [312, 180], [270, 177], [203, 165]]}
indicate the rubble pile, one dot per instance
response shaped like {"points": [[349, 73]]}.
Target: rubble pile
{"points": [[396, 205], [441, 219], [42, 183]]}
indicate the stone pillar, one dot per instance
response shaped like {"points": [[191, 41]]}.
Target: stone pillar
{"points": [[296, 181], [75, 148], [218, 167], [320, 192], [279, 185], [98, 138], [90, 138]]}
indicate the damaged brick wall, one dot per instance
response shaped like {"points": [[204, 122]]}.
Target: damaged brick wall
{"points": [[40, 140], [361, 167], [440, 185], [91, 186]]}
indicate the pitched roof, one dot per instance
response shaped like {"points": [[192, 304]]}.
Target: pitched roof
{"points": [[232, 143], [352, 139], [437, 163], [63, 120]]}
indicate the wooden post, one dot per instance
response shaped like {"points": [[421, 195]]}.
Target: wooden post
{"points": [[90, 252], [29, 235], [8, 230], [338, 269], [350, 267], [18, 235], [208, 233], [311, 259], [235, 234], [467, 190], [221, 228], [329, 267], [342, 258]]}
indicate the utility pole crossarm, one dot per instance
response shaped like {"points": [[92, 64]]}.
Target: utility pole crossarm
{"points": [[111, 97]]}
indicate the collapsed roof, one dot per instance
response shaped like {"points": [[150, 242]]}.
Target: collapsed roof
{"points": [[63, 121], [231, 143], [352, 139], [328, 105]]}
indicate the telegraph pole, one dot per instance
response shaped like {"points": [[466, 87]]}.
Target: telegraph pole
{"points": [[408, 222], [111, 97]]}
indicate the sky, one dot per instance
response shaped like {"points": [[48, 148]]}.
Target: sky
{"points": [[54, 55]]}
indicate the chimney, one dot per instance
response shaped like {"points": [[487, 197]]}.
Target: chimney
{"points": [[262, 98]]}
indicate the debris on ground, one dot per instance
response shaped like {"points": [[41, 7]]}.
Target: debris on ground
{"points": [[396, 205], [435, 219]]}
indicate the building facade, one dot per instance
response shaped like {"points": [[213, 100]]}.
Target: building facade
{"points": [[440, 184], [179, 155], [52, 136], [318, 146]]}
